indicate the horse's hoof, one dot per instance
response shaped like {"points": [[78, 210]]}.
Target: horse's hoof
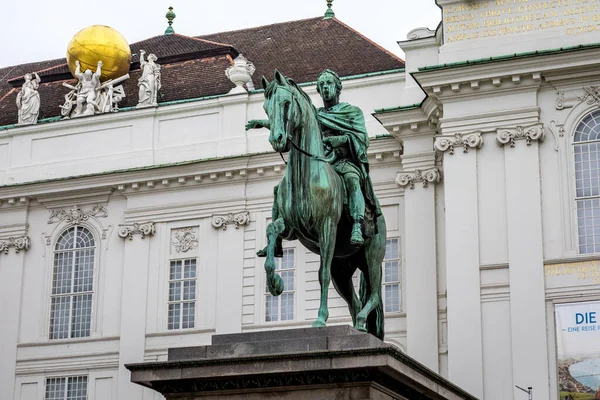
{"points": [[318, 324], [262, 253], [361, 328]]}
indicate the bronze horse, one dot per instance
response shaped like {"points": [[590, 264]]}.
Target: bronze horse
{"points": [[309, 206]]}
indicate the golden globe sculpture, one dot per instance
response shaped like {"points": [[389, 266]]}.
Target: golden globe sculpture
{"points": [[100, 43]]}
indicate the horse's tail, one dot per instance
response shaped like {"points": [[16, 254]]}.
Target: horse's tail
{"points": [[375, 320]]}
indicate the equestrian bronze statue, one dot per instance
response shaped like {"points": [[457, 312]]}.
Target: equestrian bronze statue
{"points": [[325, 199]]}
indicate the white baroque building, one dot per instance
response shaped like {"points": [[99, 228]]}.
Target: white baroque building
{"points": [[126, 234]]}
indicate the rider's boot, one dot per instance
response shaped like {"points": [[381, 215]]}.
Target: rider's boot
{"points": [[356, 238]]}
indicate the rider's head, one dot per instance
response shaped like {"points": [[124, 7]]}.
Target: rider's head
{"points": [[329, 85]]}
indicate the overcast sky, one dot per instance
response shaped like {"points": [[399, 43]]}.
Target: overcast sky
{"points": [[39, 30]]}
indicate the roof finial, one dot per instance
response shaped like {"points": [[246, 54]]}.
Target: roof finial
{"points": [[170, 16], [329, 13]]}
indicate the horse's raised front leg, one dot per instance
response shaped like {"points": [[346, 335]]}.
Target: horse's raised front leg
{"points": [[327, 247], [274, 281], [274, 216]]}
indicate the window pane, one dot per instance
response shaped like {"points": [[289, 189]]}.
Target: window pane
{"points": [[392, 271], [287, 306], [82, 315], [392, 298], [271, 308], [189, 290], [77, 388], [59, 317], [288, 280], [62, 275], [174, 291], [189, 311], [588, 220], [175, 270], [174, 316], [190, 269], [84, 270], [55, 389]]}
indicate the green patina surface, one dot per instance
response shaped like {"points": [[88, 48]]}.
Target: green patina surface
{"points": [[325, 199], [506, 57]]}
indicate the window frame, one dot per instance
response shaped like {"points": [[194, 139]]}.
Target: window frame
{"points": [[397, 283], [66, 379], [182, 259], [294, 292], [94, 292], [576, 200]]}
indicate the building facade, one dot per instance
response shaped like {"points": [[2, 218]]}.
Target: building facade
{"points": [[126, 234]]}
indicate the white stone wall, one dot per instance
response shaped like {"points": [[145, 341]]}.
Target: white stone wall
{"points": [[130, 293]]}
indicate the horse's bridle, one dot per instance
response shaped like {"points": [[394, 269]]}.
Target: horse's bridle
{"points": [[290, 137]]}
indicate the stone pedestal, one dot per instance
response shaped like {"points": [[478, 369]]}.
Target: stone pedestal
{"points": [[315, 363]]}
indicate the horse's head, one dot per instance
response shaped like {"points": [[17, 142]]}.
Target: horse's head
{"points": [[283, 109]]}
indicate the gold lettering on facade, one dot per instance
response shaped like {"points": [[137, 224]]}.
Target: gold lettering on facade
{"points": [[586, 270], [492, 18]]}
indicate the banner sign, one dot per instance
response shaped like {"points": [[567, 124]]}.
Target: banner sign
{"points": [[578, 350]]}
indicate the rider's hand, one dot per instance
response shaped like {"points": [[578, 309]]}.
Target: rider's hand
{"points": [[335, 141], [254, 124]]}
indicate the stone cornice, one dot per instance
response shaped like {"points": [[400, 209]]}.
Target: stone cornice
{"points": [[528, 133], [126, 231], [221, 171], [20, 243], [406, 123], [432, 175], [465, 141]]}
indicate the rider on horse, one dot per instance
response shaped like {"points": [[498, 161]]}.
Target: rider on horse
{"points": [[343, 127]]}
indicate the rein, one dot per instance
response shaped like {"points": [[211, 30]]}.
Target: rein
{"points": [[291, 139]]}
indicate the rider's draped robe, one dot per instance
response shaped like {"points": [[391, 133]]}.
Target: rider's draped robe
{"points": [[346, 119]]}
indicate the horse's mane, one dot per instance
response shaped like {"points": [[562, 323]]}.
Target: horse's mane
{"points": [[273, 84]]}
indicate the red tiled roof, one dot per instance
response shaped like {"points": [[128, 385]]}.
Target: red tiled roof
{"points": [[302, 49], [195, 67]]}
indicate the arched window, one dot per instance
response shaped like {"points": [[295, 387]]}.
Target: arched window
{"points": [[587, 182], [72, 284]]}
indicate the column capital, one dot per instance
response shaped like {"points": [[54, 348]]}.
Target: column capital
{"points": [[239, 219], [528, 133], [19, 243], [426, 176], [467, 141], [126, 231]]}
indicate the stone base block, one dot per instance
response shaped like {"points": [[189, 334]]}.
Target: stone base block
{"points": [[331, 363]]}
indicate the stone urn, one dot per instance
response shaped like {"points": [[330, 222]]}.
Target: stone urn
{"points": [[240, 74]]}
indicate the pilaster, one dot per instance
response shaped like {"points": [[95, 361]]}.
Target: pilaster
{"points": [[419, 177], [230, 250], [14, 243], [465, 342], [136, 260], [525, 256]]}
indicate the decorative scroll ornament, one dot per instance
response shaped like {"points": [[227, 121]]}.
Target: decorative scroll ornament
{"points": [[427, 176], [185, 240], [75, 215], [128, 230], [592, 95], [18, 243], [444, 143], [560, 100], [529, 133], [238, 219]]}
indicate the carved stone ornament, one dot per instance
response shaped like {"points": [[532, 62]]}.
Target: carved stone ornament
{"points": [[240, 73], [126, 231], [18, 243], [444, 143], [185, 240], [75, 215], [427, 176], [529, 133], [592, 95], [239, 219]]}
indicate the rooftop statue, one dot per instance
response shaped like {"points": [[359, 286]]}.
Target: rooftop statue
{"points": [[149, 82], [90, 96], [325, 199], [28, 100]]}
